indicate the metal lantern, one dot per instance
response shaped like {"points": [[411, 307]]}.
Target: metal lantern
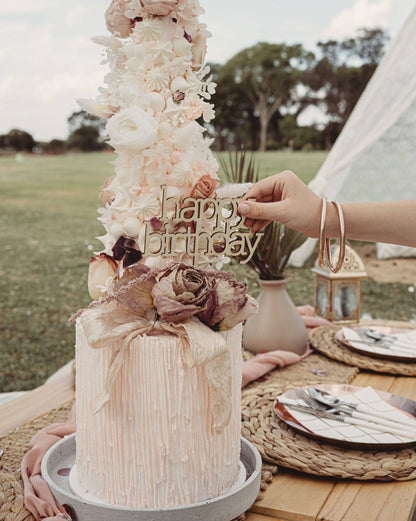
{"points": [[338, 295]]}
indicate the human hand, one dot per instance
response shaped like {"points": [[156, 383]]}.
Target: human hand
{"points": [[283, 198]]}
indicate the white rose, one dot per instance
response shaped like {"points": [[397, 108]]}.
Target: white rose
{"points": [[132, 128]]}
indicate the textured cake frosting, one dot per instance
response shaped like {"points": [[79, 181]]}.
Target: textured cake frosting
{"points": [[154, 444], [154, 441]]}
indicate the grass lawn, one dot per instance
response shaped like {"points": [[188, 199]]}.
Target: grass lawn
{"points": [[48, 224]]}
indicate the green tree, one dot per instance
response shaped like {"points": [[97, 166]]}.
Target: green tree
{"points": [[85, 138], [55, 146], [86, 132], [257, 82], [338, 78], [18, 140]]}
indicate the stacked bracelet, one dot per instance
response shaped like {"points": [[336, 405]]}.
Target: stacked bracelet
{"points": [[325, 242]]}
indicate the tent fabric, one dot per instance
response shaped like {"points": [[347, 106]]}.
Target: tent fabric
{"points": [[374, 158]]}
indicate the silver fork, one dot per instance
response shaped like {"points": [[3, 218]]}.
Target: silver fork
{"points": [[346, 418], [307, 398], [345, 410]]}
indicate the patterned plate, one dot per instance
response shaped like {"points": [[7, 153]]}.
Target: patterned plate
{"points": [[345, 434], [371, 349]]}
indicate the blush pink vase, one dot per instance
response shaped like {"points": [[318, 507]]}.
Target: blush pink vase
{"points": [[278, 324]]}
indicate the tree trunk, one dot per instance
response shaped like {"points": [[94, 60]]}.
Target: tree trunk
{"points": [[264, 123]]}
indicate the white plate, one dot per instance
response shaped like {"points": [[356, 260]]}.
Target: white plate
{"points": [[371, 349], [351, 436]]}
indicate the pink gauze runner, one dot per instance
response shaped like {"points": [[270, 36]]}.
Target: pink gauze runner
{"points": [[39, 499]]}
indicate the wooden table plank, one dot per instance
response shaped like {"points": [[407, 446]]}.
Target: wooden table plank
{"points": [[378, 381], [35, 403], [372, 501], [350, 501], [294, 496], [259, 517]]}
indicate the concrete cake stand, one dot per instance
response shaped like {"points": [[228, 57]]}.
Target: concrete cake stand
{"points": [[60, 458]]}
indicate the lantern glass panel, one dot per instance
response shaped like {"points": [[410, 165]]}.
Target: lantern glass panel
{"points": [[322, 298], [345, 300]]}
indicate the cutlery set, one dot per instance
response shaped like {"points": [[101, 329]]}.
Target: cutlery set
{"points": [[321, 404], [374, 342]]}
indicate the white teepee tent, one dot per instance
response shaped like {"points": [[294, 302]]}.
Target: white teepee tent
{"points": [[374, 158]]}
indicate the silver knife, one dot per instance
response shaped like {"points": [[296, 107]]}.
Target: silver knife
{"points": [[348, 419]]}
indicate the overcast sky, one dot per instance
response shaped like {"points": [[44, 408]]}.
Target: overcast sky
{"points": [[47, 60]]}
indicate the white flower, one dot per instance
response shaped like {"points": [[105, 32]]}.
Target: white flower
{"points": [[208, 113], [175, 111], [94, 107], [133, 129], [182, 47], [146, 206], [184, 137], [154, 100]]}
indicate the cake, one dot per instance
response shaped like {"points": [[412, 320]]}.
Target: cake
{"points": [[158, 352]]}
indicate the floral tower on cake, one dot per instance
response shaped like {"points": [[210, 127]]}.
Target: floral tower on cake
{"points": [[159, 349]]}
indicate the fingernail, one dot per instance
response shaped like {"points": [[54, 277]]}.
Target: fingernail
{"points": [[243, 208]]}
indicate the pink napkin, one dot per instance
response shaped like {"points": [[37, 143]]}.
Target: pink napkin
{"points": [[38, 498], [263, 363]]}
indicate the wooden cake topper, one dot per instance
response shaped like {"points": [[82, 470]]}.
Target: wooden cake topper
{"points": [[212, 227]]}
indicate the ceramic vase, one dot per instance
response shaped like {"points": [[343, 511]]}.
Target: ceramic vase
{"points": [[278, 324]]}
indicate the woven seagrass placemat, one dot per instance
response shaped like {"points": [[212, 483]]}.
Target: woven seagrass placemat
{"points": [[282, 445], [323, 340]]}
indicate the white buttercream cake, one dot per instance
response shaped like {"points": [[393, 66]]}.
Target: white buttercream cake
{"points": [[154, 444], [164, 435]]}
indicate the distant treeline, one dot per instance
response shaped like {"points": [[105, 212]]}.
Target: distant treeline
{"points": [[261, 92]]}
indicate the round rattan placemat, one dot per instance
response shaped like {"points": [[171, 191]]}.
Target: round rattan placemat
{"points": [[323, 340], [283, 446]]}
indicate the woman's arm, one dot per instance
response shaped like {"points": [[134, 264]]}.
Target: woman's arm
{"points": [[285, 198]]}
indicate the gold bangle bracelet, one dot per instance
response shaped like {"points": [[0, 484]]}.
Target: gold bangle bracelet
{"points": [[321, 248], [341, 254]]}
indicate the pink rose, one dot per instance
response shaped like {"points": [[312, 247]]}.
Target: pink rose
{"points": [[204, 187], [116, 20], [159, 7]]}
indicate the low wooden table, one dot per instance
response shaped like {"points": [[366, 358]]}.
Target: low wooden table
{"points": [[292, 496]]}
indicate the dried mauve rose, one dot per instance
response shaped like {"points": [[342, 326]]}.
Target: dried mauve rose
{"points": [[125, 250], [156, 223], [138, 296], [102, 268], [181, 292], [159, 7], [205, 187], [233, 305], [117, 22], [105, 195], [178, 96]]}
